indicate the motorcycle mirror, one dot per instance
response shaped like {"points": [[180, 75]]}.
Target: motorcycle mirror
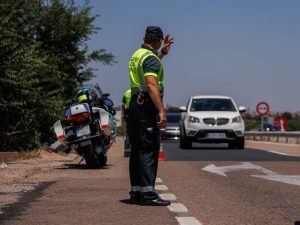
{"points": [[108, 102], [105, 95]]}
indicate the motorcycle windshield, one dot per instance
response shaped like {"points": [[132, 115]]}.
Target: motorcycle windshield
{"points": [[92, 89]]}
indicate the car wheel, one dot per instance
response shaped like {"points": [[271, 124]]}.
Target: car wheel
{"points": [[240, 143], [185, 143], [231, 145]]}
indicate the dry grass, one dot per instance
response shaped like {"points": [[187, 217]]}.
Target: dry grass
{"points": [[13, 156], [29, 154]]}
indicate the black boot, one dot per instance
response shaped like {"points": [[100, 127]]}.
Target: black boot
{"points": [[135, 197], [151, 198]]}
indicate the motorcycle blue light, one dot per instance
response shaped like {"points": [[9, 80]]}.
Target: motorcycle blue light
{"points": [[86, 89]]}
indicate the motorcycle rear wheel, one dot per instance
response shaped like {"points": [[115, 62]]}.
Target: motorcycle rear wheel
{"points": [[102, 159], [90, 158]]}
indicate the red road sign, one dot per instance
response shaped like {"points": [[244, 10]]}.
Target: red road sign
{"points": [[280, 123], [262, 108]]}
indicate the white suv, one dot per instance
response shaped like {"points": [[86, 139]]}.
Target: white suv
{"points": [[212, 119]]}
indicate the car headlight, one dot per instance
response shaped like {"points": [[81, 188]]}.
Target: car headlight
{"points": [[192, 119], [237, 119]]}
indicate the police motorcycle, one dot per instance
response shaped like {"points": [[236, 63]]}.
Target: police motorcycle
{"points": [[88, 125]]}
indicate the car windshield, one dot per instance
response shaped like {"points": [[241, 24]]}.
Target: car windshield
{"points": [[212, 104], [173, 118]]}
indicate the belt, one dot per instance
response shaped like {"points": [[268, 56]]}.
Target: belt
{"points": [[146, 96], [135, 96], [137, 90]]}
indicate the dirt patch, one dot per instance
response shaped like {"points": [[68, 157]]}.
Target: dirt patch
{"points": [[13, 156], [8, 156], [16, 177]]}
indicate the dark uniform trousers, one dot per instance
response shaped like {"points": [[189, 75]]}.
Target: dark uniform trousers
{"points": [[144, 136]]}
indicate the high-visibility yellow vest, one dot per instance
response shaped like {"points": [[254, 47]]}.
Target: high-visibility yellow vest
{"points": [[81, 96], [137, 75], [127, 97]]}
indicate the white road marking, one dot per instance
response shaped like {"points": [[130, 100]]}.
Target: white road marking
{"points": [[280, 153], [287, 179], [269, 175], [188, 221], [243, 166], [177, 208], [158, 180], [161, 187], [170, 197]]}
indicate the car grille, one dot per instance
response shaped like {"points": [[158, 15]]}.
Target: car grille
{"points": [[216, 121]]}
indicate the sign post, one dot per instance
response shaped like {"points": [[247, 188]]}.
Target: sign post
{"points": [[262, 108]]}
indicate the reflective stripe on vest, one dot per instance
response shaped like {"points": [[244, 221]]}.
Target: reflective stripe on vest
{"points": [[143, 87], [136, 90]]}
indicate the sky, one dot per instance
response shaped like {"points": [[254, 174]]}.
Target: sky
{"points": [[246, 49]]}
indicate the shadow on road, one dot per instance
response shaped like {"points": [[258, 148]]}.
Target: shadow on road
{"points": [[13, 211], [126, 201], [220, 152], [82, 166]]}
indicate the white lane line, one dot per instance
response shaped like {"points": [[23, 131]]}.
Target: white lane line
{"points": [[158, 180], [169, 197], [286, 179], [188, 221], [161, 187], [177, 208], [280, 153]]}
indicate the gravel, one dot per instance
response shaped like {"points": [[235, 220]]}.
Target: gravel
{"points": [[20, 176]]}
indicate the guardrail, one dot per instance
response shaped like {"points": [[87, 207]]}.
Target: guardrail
{"points": [[280, 137]]}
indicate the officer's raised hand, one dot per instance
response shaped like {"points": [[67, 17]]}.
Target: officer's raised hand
{"points": [[168, 41]]}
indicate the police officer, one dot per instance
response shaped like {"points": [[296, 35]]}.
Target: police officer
{"points": [[125, 109], [147, 115]]}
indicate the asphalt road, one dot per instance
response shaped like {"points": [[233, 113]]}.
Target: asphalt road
{"points": [[209, 185], [251, 192]]}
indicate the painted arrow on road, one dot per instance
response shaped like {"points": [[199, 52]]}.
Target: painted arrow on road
{"points": [[270, 175], [221, 170], [286, 179]]}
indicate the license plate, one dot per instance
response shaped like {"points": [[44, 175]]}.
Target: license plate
{"points": [[216, 135], [82, 131]]}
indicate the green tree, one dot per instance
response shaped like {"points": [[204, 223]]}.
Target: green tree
{"points": [[293, 125], [43, 56], [287, 115], [63, 29], [29, 84]]}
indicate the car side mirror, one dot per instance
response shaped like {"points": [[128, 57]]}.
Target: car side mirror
{"points": [[242, 109], [182, 108]]}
